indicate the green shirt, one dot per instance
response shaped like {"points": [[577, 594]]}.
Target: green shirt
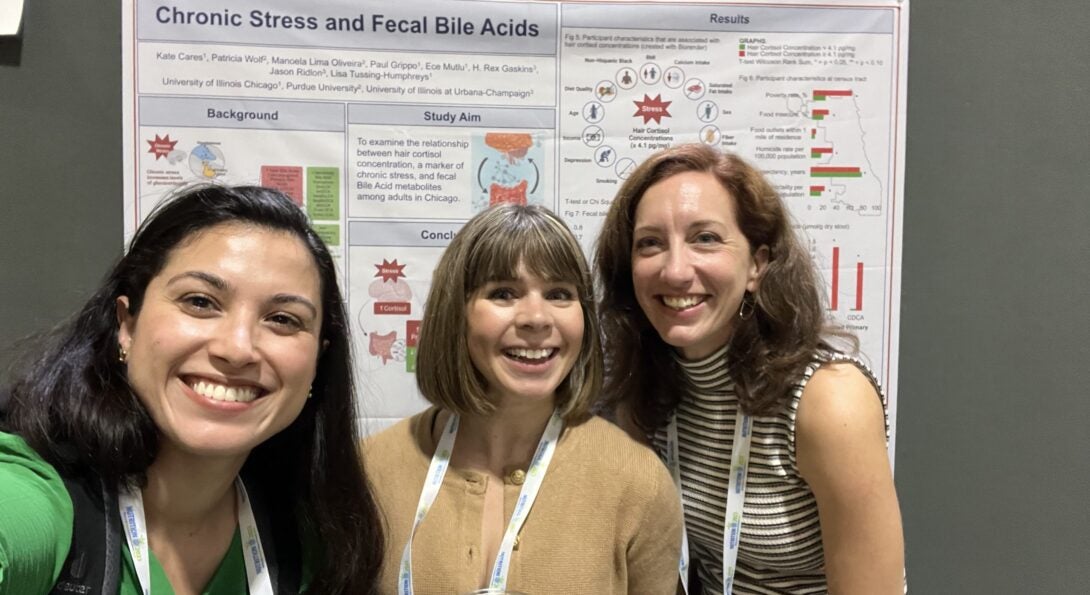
{"points": [[229, 579], [36, 532], [35, 520]]}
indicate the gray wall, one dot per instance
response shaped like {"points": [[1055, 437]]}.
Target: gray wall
{"points": [[993, 455], [993, 445]]}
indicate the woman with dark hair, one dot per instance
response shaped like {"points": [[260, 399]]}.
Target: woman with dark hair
{"points": [[521, 488], [198, 414], [720, 356]]}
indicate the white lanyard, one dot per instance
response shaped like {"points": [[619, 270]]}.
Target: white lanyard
{"points": [[736, 496], [131, 503], [440, 461]]}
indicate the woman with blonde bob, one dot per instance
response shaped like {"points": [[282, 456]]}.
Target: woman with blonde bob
{"points": [[521, 488], [721, 357]]}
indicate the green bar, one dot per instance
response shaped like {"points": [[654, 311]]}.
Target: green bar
{"points": [[819, 117], [819, 98], [837, 175], [815, 193], [410, 359], [741, 46], [323, 193], [329, 232]]}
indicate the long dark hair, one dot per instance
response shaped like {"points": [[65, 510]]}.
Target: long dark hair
{"points": [[73, 404], [767, 351]]}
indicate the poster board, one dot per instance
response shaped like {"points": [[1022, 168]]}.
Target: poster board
{"points": [[392, 124]]}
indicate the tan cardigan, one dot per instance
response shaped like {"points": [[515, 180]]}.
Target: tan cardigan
{"points": [[607, 518]]}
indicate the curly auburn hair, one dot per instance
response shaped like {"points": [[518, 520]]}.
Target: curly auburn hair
{"points": [[767, 351]]}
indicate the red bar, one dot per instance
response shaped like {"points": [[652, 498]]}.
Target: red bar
{"points": [[832, 169], [817, 188], [859, 286], [836, 277], [820, 112], [844, 93], [828, 150]]}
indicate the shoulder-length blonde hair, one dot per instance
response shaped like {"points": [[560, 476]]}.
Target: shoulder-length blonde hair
{"points": [[766, 351], [490, 248]]}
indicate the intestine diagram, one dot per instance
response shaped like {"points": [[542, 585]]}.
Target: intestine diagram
{"points": [[390, 301]]}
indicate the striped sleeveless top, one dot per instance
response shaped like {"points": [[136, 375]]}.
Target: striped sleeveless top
{"points": [[780, 549]]}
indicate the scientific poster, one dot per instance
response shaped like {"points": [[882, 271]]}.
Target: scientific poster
{"points": [[391, 124]]}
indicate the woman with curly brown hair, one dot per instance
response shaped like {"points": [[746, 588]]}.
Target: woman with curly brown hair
{"points": [[720, 355]]}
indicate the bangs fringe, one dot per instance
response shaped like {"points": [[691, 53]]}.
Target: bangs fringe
{"points": [[538, 243]]}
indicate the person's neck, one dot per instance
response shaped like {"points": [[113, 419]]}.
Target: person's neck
{"points": [[186, 492], [506, 438]]}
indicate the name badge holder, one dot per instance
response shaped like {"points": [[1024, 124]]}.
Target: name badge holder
{"points": [[736, 495], [131, 505]]}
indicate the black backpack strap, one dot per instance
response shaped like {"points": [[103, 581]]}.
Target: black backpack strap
{"points": [[5, 400], [93, 566], [279, 540]]}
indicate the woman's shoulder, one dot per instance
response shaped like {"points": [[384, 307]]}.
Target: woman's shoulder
{"points": [[36, 519], [830, 366], [837, 389], [840, 401], [402, 431], [603, 432], [390, 452], [19, 458], [827, 376], [616, 471], [600, 443]]}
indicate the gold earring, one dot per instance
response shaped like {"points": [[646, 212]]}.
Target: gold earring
{"points": [[748, 307], [122, 355]]}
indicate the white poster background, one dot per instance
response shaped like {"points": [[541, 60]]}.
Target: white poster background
{"points": [[392, 124]]}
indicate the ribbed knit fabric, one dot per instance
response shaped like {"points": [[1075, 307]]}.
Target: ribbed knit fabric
{"points": [[780, 547], [606, 520]]}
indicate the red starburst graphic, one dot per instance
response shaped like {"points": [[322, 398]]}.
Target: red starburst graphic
{"points": [[161, 147], [652, 109], [390, 271]]}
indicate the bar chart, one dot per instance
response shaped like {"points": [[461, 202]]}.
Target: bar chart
{"points": [[835, 287]]}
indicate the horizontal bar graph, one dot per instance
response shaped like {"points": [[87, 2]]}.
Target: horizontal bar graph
{"points": [[833, 171], [817, 152], [819, 114], [817, 190], [822, 94]]}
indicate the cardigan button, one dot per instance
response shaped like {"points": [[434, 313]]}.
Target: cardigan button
{"points": [[517, 477]]}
